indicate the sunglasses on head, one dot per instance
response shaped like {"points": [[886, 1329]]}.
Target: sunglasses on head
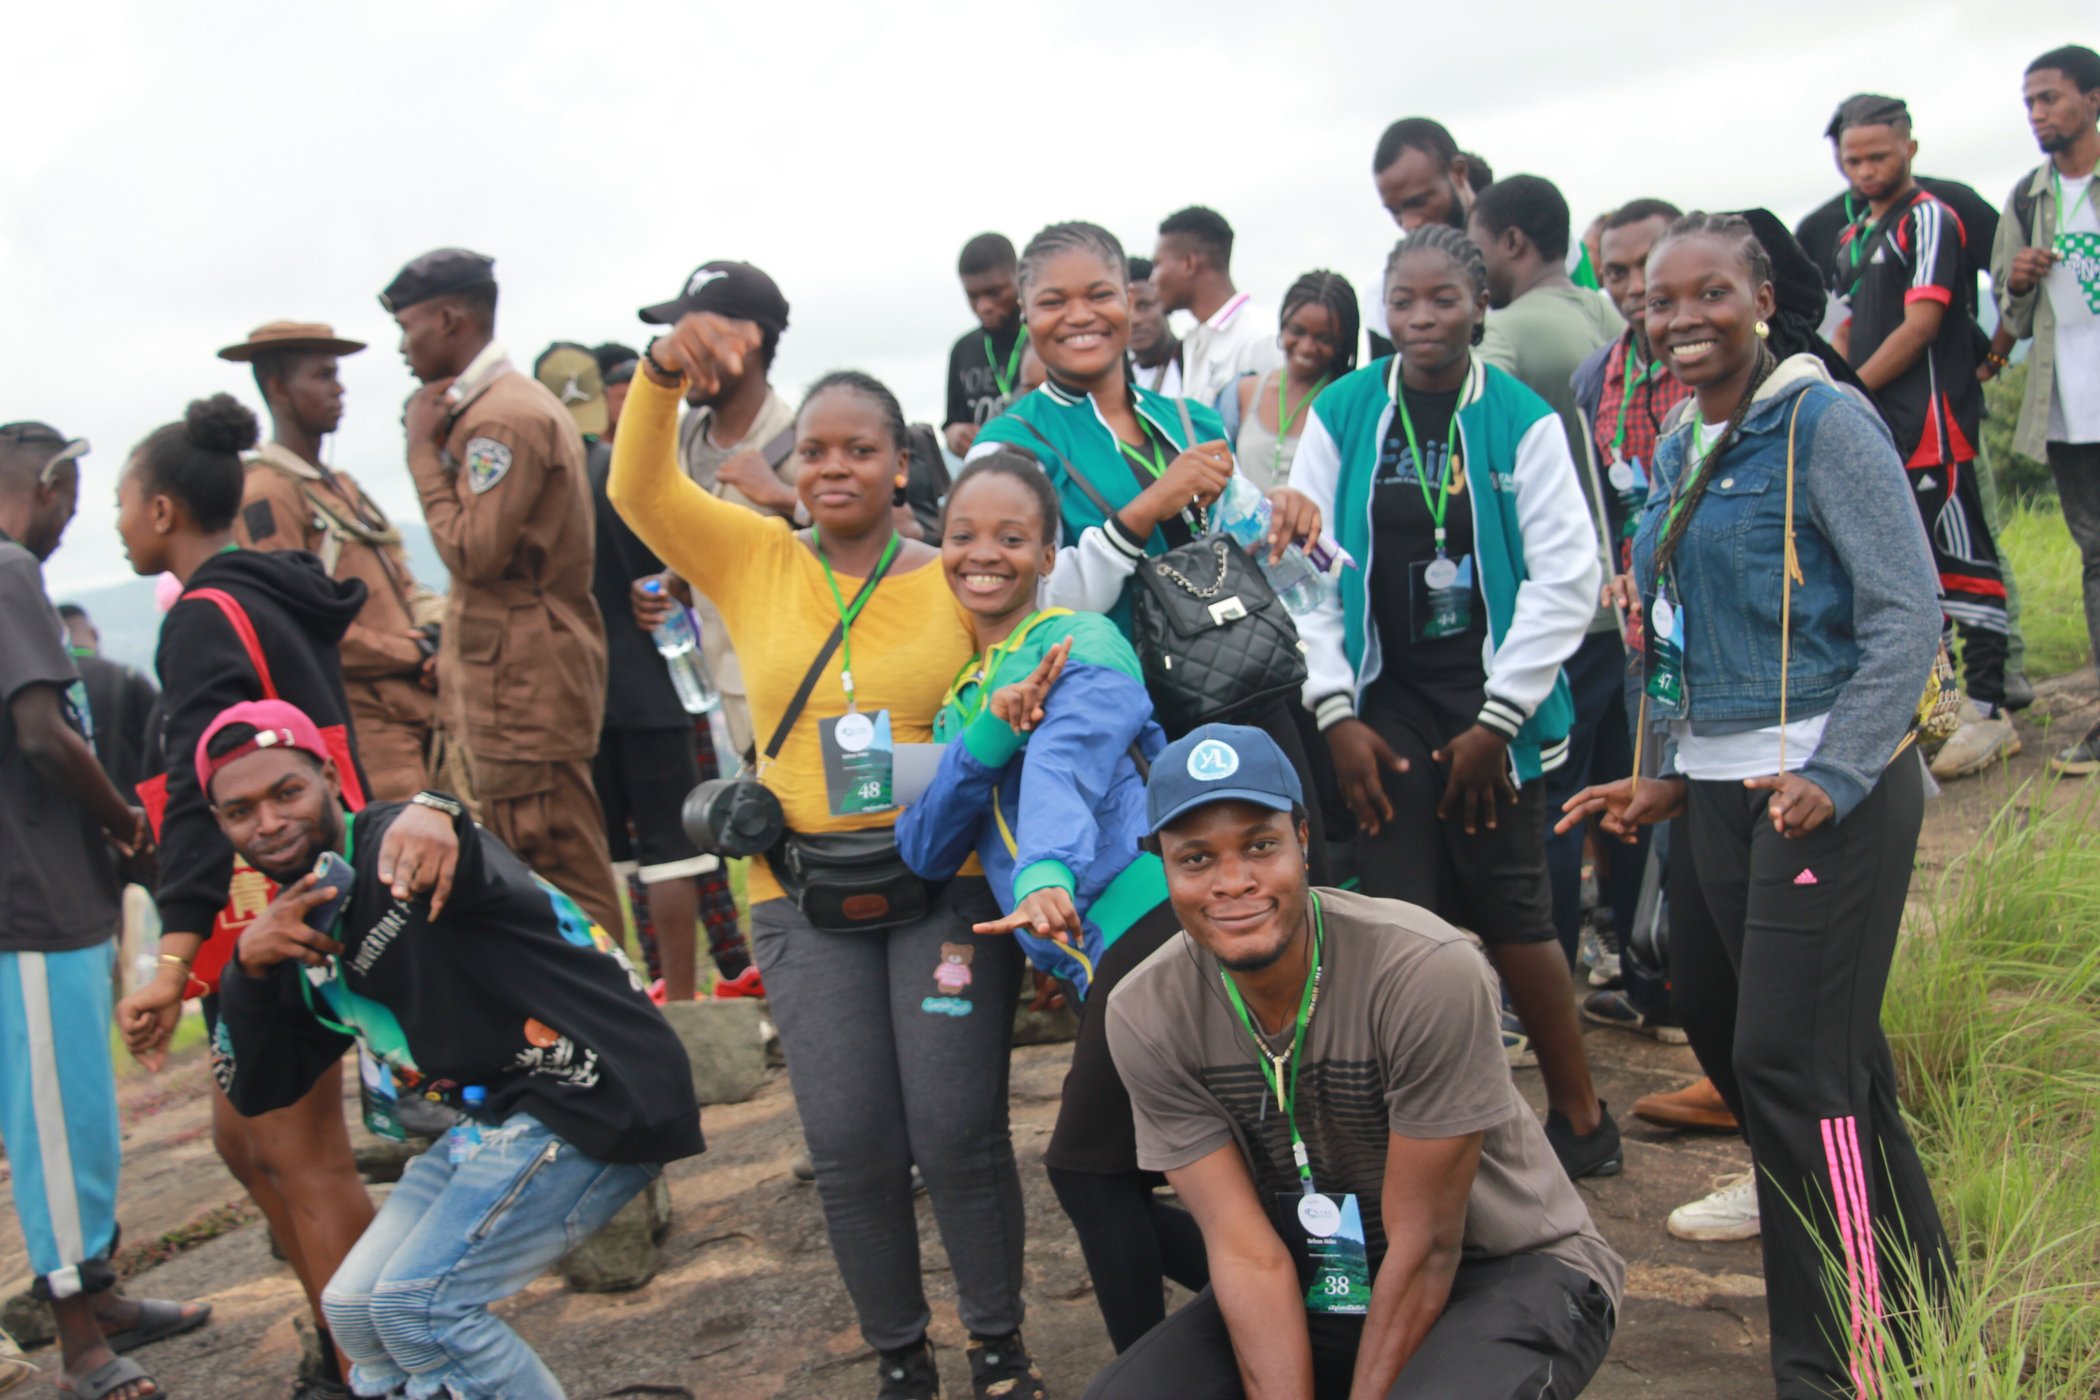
{"points": [[42, 435]]}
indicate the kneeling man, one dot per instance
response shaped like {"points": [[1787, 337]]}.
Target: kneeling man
{"points": [[503, 1000], [1321, 1077]]}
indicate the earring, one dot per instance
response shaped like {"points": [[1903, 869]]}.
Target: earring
{"points": [[897, 497], [1763, 331]]}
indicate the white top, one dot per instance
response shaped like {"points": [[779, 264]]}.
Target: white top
{"points": [[2073, 289], [1160, 379], [1754, 753], [1239, 338]]}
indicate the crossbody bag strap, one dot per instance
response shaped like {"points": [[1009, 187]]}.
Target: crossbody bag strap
{"points": [[793, 711], [243, 628], [1072, 473], [1789, 571], [776, 451]]}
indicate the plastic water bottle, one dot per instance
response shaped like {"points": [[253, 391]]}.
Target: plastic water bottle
{"points": [[678, 642], [1244, 514], [466, 1133]]}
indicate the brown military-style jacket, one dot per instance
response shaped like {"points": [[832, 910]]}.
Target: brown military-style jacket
{"points": [[289, 503], [521, 668]]}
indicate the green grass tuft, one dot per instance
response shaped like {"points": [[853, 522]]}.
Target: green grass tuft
{"points": [[2052, 611]]}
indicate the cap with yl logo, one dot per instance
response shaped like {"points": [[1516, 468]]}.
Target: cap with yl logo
{"points": [[733, 289], [1219, 763]]}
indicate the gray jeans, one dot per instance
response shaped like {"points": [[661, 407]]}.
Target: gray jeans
{"points": [[2076, 467], [897, 1044]]}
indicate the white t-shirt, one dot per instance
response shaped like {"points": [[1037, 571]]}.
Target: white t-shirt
{"points": [[2073, 288], [1160, 379], [1239, 338]]}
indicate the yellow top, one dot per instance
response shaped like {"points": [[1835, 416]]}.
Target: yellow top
{"points": [[769, 587]]}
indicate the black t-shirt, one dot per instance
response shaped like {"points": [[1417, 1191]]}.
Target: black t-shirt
{"points": [[1914, 253], [1403, 534], [1819, 232], [974, 394], [638, 689]]}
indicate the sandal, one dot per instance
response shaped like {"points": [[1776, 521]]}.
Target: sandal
{"points": [[159, 1319], [110, 1377]]}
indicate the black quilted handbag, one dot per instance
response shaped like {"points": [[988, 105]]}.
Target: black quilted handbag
{"points": [[1214, 639]]}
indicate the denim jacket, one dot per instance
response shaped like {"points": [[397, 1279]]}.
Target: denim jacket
{"points": [[1866, 616]]}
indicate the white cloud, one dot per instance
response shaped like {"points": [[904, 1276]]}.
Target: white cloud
{"points": [[178, 174]]}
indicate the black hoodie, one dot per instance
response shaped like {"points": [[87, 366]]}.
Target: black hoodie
{"points": [[299, 614], [514, 990]]}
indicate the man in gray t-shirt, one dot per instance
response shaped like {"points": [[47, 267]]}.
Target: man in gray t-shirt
{"points": [[58, 910], [1321, 1076]]}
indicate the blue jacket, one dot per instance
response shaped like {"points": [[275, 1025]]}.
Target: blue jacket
{"points": [[1866, 615], [1535, 545], [1063, 805]]}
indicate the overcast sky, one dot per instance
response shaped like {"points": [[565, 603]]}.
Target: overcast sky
{"points": [[176, 174]]}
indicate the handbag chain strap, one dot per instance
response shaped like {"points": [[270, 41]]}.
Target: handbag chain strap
{"points": [[1168, 571]]}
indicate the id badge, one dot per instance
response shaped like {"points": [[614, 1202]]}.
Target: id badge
{"points": [[1665, 654], [381, 1097], [1330, 1230], [1440, 597], [858, 762]]}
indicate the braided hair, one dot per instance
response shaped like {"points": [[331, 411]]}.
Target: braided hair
{"points": [[1736, 231], [867, 386], [1332, 291], [1453, 244], [1071, 237]]}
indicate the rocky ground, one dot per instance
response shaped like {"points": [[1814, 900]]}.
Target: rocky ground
{"points": [[749, 1307]]}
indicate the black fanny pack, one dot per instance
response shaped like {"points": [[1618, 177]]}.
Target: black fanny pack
{"points": [[843, 881], [849, 881]]}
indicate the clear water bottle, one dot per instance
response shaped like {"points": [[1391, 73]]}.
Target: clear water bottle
{"points": [[466, 1133], [678, 641], [1244, 514]]}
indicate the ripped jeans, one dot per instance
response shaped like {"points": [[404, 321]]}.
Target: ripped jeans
{"points": [[410, 1306]]}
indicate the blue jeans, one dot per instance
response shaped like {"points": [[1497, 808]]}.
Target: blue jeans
{"points": [[410, 1304]]}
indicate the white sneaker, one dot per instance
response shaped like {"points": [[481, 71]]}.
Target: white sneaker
{"points": [[1977, 745], [1728, 1213]]}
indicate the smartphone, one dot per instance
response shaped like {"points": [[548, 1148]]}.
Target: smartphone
{"points": [[331, 871]]}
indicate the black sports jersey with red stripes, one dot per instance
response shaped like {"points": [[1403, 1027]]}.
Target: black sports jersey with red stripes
{"points": [[1914, 253]]}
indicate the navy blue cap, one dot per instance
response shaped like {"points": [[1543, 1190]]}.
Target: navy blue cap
{"points": [[1219, 763]]}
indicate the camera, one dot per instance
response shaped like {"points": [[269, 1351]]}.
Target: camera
{"points": [[734, 817]]}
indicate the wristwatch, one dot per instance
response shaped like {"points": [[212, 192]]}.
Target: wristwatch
{"points": [[438, 802]]}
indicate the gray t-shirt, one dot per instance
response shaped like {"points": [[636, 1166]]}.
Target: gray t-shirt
{"points": [[57, 883], [1542, 338], [1406, 1040]]}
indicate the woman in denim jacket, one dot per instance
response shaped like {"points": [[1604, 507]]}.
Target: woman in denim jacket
{"points": [[1796, 844]]}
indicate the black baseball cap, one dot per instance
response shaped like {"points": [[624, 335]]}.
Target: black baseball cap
{"points": [[733, 289], [442, 272]]}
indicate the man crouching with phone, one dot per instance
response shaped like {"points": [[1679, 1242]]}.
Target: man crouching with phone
{"points": [[1321, 1077], [516, 1010]]}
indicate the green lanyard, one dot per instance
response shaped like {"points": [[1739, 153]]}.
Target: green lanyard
{"points": [[1013, 361], [982, 670], [306, 986], [849, 611], [1271, 1068], [1440, 505], [2085, 196], [1284, 419], [1633, 382], [1158, 465], [1862, 223], [1679, 493]]}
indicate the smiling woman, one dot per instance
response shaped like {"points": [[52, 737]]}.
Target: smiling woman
{"points": [[848, 635]]}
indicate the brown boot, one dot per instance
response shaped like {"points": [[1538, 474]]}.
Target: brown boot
{"points": [[1697, 1106]]}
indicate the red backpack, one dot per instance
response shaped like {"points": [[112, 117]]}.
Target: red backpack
{"points": [[250, 891]]}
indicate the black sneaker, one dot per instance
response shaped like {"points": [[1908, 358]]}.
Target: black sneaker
{"points": [[1596, 1153], [2081, 759], [1001, 1369], [908, 1374]]}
